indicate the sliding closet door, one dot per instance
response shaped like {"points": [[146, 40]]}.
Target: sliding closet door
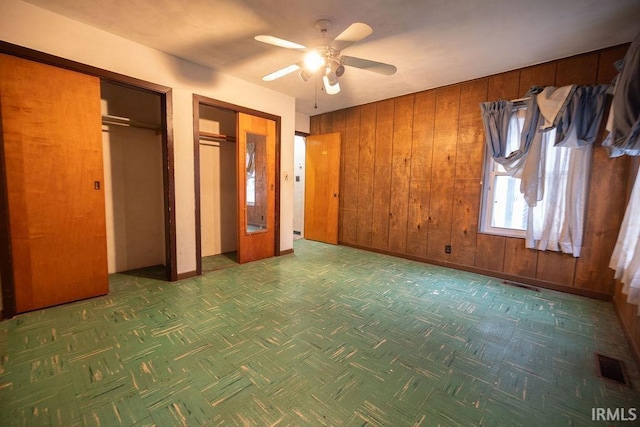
{"points": [[256, 148], [53, 161]]}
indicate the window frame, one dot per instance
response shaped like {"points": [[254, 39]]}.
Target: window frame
{"points": [[489, 172]]}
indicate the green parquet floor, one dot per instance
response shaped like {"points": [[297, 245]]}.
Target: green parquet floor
{"points": [[329, 335]]}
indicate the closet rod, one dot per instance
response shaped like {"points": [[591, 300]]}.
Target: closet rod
{"points": [[215, 137], [124, 121], [210, 145]]}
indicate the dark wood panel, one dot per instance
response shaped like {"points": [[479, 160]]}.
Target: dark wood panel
{"points": [[602, 221], [471, 138], [519, 260], [382, 175], [577, 70], [490, 252], [338, 125], [314, 125], [326, 123], [349, 179], [504, 86], [469, 158], [366, 165], [464, 224], [443, 171], [537, 75], [400, 173], [555, 267], [606, 60], [421, 158]]}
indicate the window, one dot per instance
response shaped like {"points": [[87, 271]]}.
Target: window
{"points": [[504, 210]]}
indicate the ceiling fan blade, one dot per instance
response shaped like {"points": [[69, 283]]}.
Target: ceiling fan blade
{"points": [[281, 72], [275, 41], [354, 33], [365, 64]]}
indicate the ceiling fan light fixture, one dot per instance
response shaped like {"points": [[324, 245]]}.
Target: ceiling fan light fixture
{"points": [[339, 70], [313, 61], [331, 77], [331, 89]]}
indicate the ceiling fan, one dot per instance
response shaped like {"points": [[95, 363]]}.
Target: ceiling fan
{"points": [[326, 56]]}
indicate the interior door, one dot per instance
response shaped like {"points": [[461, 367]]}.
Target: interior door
{"points": [[322, 186], [256, 148], [52, 144]]}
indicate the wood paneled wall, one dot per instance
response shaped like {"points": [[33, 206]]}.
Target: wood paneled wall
{"points": [[411, 171]]}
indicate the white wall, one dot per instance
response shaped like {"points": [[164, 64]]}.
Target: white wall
{"points": [[29, 26]]}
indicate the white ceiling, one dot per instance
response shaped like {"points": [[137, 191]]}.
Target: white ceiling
{"points": [[432, 42]]}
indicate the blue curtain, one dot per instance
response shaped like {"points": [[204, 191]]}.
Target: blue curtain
{"points": [[624, 121], [495, 117]]}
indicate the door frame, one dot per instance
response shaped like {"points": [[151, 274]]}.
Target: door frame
{"points": [[200, 100], [166, 105]]}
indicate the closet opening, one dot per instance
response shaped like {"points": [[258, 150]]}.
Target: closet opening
{"points": [[133, 145], [223, 137], [218, 191]]}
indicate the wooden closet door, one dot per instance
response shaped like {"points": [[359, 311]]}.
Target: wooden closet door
{"points": [[256, 215], [51, 131]]}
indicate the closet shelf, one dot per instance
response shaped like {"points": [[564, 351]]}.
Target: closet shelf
{"points": [[216, 137], [124, 121]]}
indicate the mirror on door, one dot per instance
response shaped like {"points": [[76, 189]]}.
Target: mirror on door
{"points": [[256, 183]]}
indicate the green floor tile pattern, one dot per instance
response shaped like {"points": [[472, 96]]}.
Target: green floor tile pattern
{"points": [[329, 335]]}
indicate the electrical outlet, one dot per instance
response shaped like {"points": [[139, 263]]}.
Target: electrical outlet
{"points": [[447, 249]]}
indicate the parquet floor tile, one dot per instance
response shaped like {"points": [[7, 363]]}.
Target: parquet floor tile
{"points": [[326, 336]]}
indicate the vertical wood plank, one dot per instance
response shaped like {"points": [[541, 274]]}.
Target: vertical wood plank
{"points": [[421, 158], [537, 75], [366, 167], [382, 175], [314, 125], [400, 173], [577, 70], [349, 191], [443, 171], [326, 123], [518, 260], [338, 126], [466, 208]]}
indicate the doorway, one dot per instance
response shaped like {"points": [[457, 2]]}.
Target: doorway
{"points": [[221, 184], [132, 141], [218, 190], [298, 186]]}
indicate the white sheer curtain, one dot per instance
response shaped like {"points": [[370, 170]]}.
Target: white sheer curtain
{"points": [[626, 255], [556, 222]]}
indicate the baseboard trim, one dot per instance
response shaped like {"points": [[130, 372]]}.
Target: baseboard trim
{"points": [[286, 252], [495, 274], [187, 275]]}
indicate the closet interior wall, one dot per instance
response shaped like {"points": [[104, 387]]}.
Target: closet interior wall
{"points": [[218, 188], [133, 180]]}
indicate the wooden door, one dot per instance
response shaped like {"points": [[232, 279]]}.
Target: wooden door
{"points": [[256, 174], [51, 132], [322, 186]]}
